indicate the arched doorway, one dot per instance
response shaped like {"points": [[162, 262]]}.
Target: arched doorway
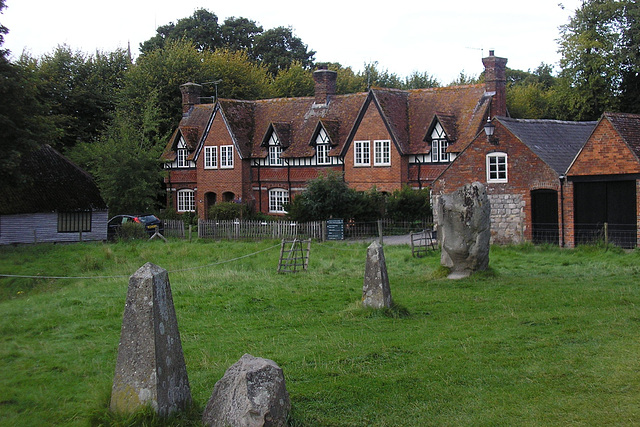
{"points": [[228, 196], [544, 216], [210, 200]]}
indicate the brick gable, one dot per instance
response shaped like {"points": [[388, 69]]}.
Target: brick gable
{"points": [[605, 153]]}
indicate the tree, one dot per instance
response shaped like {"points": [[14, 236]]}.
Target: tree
{"points": [[278, 49], [325, 197], [294, 82], [22, 117], [417, 80], [239, 33], [78, 91], [125, 161], [201, 29], [408, 204], [592, 46], [532, 94]]}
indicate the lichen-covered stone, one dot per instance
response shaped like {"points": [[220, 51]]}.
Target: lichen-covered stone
{"points": [[465, 225], [150, 369], [252, 393], [376, 292]]}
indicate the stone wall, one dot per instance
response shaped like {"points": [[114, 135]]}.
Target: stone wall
{"points": [[507, 218]]}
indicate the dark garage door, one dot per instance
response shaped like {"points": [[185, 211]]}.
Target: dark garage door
{"points": [[611, 202]]}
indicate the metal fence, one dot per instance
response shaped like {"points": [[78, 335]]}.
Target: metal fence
{"points": [[388, 227], [623, 235], [254, 230]]}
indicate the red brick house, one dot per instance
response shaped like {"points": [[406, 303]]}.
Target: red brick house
{"points": [[263, 152], [523, 166], [603, 183]]}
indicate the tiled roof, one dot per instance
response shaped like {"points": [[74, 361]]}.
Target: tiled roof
{"points": [[407, 115], [53, 184], [628, 126], [460, 109], [191, 128], [555, 142]]}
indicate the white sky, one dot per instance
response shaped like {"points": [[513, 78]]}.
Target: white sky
{"points": [[402, 36]]}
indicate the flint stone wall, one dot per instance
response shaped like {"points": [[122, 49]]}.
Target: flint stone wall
{"points": [[507, 218]]}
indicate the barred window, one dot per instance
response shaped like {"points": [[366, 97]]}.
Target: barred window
{"points": [[74, 222]]}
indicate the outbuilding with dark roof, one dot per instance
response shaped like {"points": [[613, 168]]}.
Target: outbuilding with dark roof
{"points": [[57, 202]]}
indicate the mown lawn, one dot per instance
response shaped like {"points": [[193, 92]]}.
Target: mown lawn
{"points": [[545, 337]]}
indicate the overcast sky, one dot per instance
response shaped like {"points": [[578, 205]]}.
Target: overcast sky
{"points": [[438, 37]]}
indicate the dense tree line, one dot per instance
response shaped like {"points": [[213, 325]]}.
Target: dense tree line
{"points": [[113, 114]]}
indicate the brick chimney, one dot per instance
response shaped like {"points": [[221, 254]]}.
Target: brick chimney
{"points": [[495, 77], [325, 80], [190, 96]]}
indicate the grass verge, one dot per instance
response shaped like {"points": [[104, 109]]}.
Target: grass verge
{"points": [[545, 337]]}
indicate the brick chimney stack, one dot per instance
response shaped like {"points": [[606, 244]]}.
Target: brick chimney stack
{"points": [[190, 96], [495, 77], [325, 80]]}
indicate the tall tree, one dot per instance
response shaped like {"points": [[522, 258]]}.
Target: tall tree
{"points": [[78, 91], [239, 33], [23, 123], [592, 46], [201, 29], [278, 48]]}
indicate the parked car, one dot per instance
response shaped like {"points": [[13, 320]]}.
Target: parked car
{"points": [[151, 223]]}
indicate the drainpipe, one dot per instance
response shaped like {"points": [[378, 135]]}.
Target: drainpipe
{"points": [[259, 189], [562, 178]]}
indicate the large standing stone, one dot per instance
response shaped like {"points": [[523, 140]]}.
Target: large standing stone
{"points": [[252, 393], [150, 368], [465, 225], [376, 292]]}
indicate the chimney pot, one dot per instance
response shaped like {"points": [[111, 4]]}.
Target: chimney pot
{"points": [[325, 84], [190, 96], [495, 76]]}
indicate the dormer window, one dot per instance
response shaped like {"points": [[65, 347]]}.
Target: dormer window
{"points": [[275, 150], [439, 144], [322, 148], [181, 155]]}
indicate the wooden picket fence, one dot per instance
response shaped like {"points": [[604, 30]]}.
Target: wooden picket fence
{"points": [[255, 230]]}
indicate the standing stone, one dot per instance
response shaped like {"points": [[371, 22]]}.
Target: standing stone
{"points": [[150, 368], [465, 226], [252, 393], [376, 292]]}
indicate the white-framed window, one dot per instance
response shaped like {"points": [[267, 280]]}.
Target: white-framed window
{"points": [[322, 148], [275, 150], [277, 198], [497, 167], [382, 153], [362, 153], [186, 201], [181, 155], [226, 156], [439, 144], [210, 157]]}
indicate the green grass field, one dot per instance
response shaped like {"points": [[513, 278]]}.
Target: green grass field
{"points": [[545, 337]]}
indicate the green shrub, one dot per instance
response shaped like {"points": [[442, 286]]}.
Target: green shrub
{"points": [[131, 231], [229, 211]]}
